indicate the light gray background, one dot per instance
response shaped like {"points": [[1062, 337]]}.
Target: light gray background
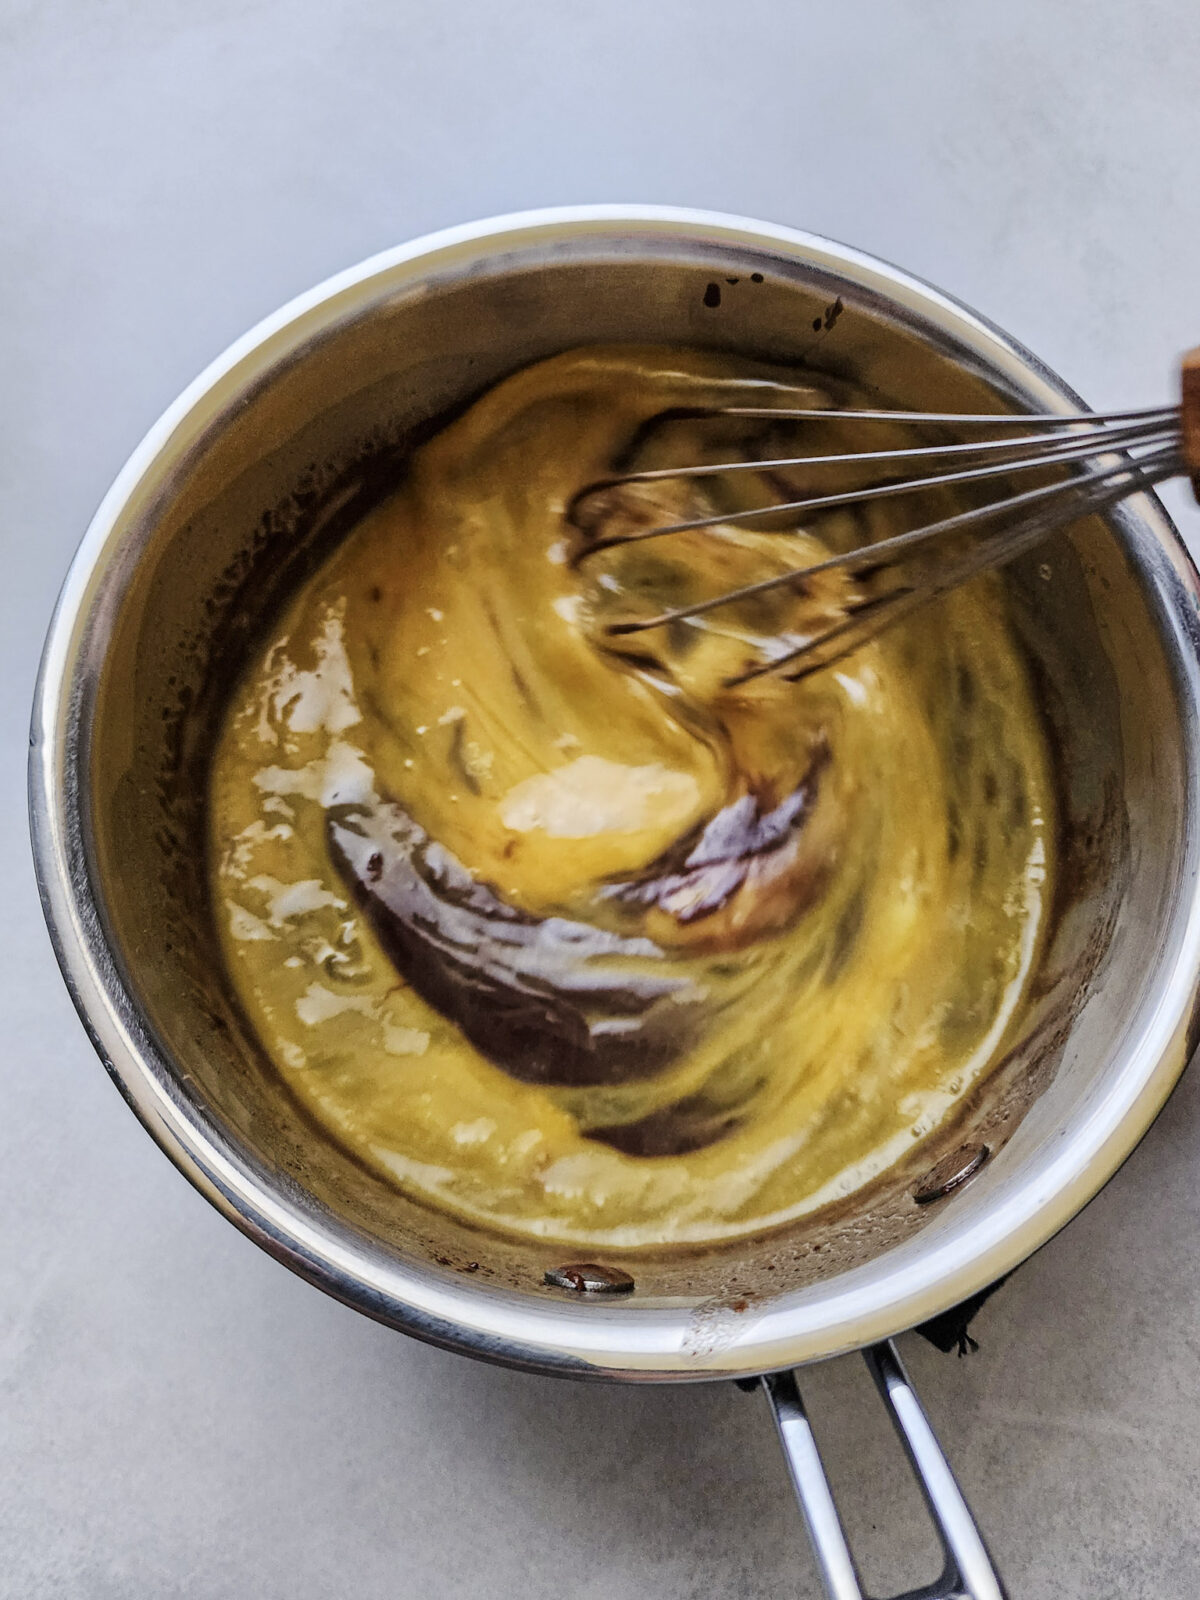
{"points": [[178, 1415]]}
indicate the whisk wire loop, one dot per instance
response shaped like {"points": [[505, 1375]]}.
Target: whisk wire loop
{"points": [[1072, 448], [1096, 446]]}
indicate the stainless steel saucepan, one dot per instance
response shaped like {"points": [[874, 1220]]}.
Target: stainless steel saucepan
{"points": [[242, 486]]}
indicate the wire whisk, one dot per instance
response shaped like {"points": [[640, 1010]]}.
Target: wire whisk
{"points": [[1113, 454]]}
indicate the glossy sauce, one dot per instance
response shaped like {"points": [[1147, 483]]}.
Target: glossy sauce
{"points": [[560, 931]]}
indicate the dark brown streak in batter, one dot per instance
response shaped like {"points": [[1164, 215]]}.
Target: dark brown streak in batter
{"points": [[743, 848], [551, 1001]]}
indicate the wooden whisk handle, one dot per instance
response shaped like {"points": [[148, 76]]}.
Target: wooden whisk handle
{"points": [[1190, 416]]}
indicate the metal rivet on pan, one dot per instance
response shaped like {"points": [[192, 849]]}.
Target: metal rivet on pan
{"points": [[951, 1173], [587, 1278]]}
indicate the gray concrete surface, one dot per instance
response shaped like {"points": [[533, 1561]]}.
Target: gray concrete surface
{"points": [[178, 1415]]}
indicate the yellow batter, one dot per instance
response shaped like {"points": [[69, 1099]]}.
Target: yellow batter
{"points": [[558, 929]]}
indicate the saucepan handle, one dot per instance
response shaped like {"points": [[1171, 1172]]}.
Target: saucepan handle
{"points": [[968, 1573]]}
